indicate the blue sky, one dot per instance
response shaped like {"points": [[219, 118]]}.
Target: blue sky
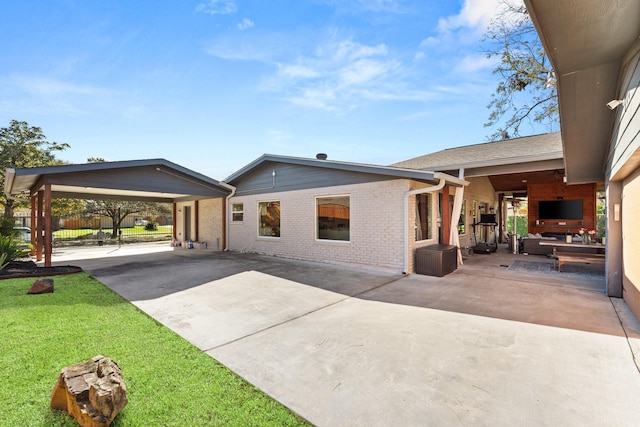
{"points": [[212, 85]]}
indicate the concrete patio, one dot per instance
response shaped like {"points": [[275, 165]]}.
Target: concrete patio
{"points": [[342, 346]]}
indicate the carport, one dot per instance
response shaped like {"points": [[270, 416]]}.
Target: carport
{"points": [[152, 180]]}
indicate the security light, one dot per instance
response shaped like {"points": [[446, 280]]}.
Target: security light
{"points": [[615, 103]]}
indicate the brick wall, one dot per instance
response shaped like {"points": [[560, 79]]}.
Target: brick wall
{"points": [[376, 226], [210, 229], [210, 226]]}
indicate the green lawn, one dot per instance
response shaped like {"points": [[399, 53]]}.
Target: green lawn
{"points": [[169, 381], [127, 232]]}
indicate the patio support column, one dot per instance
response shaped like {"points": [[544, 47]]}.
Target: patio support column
{"points": [[196, 208], [446, 216], [501, 218], [34, 212], [613, 265], [48, 229], [39, 227], [174, 221]]}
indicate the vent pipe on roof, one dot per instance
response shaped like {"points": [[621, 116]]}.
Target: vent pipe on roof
{"points": [[321, 156]]}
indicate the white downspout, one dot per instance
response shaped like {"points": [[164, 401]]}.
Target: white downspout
{"points": [[431, 189], [439, 186], [226, 217]]}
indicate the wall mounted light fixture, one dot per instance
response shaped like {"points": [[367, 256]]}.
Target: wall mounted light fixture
{"points": [[615, 103]]}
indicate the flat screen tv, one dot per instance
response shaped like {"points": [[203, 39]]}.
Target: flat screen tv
{"points": [[560, 209]]}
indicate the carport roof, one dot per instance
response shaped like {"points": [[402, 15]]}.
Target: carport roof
{"points": [[155, 180]]}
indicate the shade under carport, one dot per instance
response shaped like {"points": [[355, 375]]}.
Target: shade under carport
{"points": [[153, 180]]}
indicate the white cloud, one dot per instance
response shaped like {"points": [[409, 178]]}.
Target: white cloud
{"points": [[225, 49], [465, 27], [297, 71], [364, 71], [217, 7], [456, 38], [45, 95], [472, 63], [43, 86], [245, 24], [378, 6], [337, 77], [475, 14]]}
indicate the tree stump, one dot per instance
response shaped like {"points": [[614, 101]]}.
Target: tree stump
{"points": [[92, 392]]}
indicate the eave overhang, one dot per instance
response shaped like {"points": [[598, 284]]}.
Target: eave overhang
{"points": [[586, 41]]}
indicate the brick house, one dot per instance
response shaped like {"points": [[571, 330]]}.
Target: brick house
{"points": [[338, 212]]}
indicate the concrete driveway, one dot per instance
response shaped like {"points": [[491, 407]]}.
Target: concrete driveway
{"points": [[348, 347]]}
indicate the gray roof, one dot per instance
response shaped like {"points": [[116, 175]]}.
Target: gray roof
{"points": [[391, 171], [151, 180], [527, 149]]}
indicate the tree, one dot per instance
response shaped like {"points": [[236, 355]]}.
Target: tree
{"points": [[24, 146], [526, 91], [117, 210]]}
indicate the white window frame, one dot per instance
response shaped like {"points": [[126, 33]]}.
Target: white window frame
{"points": [[237, 212]]}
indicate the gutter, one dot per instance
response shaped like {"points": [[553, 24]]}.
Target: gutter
{"points": [[8, 182], [226, 216]]}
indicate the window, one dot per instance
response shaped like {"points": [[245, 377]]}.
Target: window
{"points": [[237, 212], [269, 220], [462, 229], [424, 230], [333, 215]]}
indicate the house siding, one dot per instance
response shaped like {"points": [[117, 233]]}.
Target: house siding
{"points": [[376, 226], [273, 177], [625, 142], [622, 166]]}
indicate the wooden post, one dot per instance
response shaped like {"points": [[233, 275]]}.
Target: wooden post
{"points": [[48, 229], [34, 212], [446, 216], [175, 221], [39, 227], [196, 207]]}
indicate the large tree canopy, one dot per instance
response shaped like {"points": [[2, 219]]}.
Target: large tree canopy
{"points": [[24, 146], [526, 91]]}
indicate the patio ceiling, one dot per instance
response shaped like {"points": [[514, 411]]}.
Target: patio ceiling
{"points": [[517, 182], [154, 180]]}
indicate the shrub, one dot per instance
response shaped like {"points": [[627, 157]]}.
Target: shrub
{"points": [[10, 250], [151, 226], [6, 226]]}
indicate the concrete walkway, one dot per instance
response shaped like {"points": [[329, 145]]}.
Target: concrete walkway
{"points": [[348, 347]]}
